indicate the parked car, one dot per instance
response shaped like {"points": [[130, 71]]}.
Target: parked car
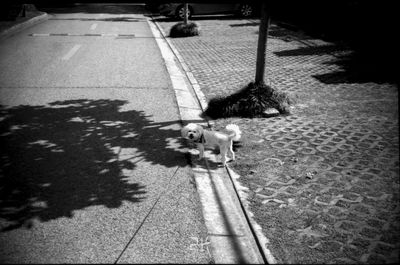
{"points": [[177, 9]]}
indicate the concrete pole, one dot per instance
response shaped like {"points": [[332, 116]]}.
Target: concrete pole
{"points": [[262, 42]]}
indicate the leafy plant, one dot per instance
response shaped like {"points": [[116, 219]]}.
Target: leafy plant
{"points": [[250, 101]]}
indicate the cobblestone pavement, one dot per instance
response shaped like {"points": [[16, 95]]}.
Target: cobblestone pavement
{"points": [[324, 181]]}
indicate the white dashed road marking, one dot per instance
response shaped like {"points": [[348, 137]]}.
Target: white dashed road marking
{"points": [[71, 52], [80, 35]]}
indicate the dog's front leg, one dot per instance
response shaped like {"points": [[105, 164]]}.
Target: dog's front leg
{"points": [[200, 147]]}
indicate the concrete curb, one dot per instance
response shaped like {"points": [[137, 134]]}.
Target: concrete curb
{"points": [[23, 25], [240, 190], [257, 229], [199, 94], [231, 238]]}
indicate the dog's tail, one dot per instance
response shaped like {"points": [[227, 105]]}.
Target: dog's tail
{"points": [[235, 132]]}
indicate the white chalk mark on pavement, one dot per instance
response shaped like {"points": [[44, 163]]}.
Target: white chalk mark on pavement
{"points": [[93, 27], [71, 52]]}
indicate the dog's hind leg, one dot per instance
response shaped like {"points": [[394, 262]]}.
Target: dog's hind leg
{"points": [[231, 153]]}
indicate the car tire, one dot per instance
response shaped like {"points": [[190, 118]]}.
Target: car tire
{"points": [[180, 11], [246, 10]]}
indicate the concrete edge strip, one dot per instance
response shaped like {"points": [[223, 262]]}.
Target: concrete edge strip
{"points": [[189, 107], [229, 233], [242, 192], [23, 25], [199, 94]]}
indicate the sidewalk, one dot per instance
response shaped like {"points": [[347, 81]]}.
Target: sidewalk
{"points": [[323, 182]]}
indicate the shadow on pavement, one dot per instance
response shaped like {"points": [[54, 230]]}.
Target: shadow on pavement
{"points": [[70, 155], [248, 24], [354, 67], [312, 50]]}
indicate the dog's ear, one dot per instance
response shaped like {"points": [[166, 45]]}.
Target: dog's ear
{"points": [[199, 129]]}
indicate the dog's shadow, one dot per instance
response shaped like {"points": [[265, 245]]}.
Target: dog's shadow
{"points": [[69, 155]]}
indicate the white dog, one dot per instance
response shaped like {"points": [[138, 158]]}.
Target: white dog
{"points": [[196, 134]]}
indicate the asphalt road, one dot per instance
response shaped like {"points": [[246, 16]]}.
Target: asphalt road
{"points": [[93, 170]]}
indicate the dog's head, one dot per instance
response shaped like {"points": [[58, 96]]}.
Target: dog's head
{"points": [[192, 132]]}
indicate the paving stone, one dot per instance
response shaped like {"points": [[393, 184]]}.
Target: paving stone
{"points": [[343, 132]]}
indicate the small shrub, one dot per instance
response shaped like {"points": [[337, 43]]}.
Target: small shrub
{"points": [[250, 101], [184, 30]]}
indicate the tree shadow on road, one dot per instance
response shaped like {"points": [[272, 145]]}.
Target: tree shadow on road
{"points": [[70, 155]]}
